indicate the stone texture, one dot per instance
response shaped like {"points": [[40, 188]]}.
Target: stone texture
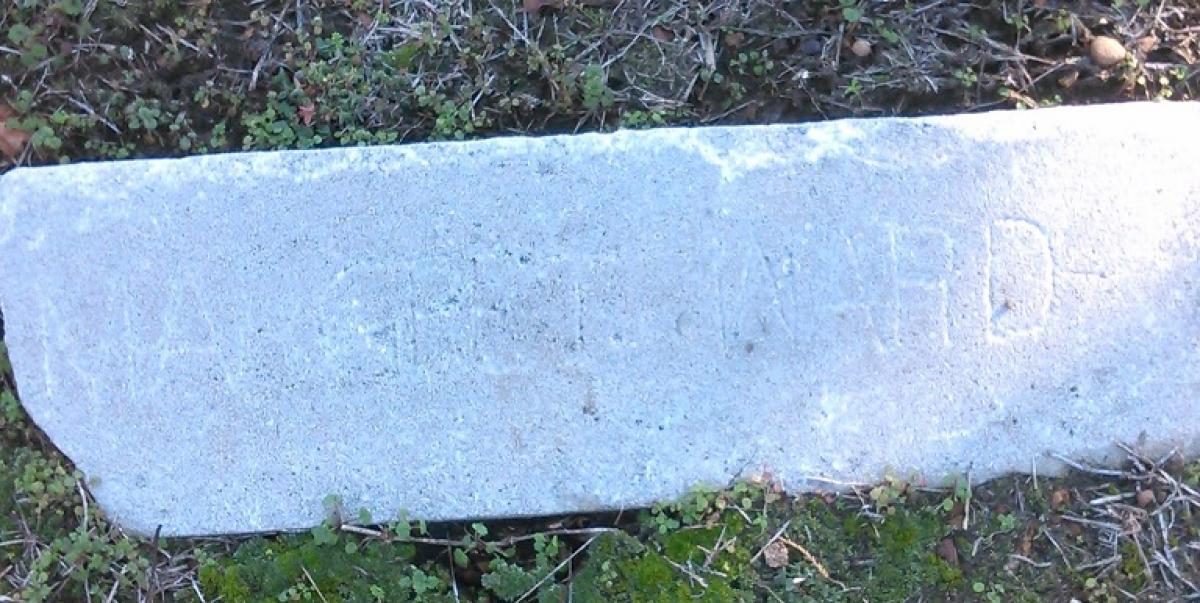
{"points": [[543, 325]]}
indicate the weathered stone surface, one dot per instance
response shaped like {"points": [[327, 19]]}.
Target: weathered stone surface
{"points": [[530, 326]]}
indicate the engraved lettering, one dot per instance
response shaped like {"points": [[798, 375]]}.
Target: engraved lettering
{"points": [[1018, 279]]}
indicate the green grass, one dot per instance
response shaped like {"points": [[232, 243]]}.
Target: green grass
{"points": [[106, 79]]}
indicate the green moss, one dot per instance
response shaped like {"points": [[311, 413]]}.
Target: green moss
{"points": [[622, 569], [265, 570], [907, 561]]}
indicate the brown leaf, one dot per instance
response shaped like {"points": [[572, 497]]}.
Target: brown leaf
{"points": [[662, 34], [1068, 79], [1025, 545], [306, 113], [1060, 498], [12, 140], [948, 552], [776, 554], [956, 514]]}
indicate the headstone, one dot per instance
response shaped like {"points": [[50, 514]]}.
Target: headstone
{"points": [[526, 326]]}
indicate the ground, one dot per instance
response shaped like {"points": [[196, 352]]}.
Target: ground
{"points": [[105, 79]]}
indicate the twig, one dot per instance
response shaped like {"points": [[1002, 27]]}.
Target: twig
{"points": [[1091, 522], [411, 539], [1100, 563], [778, 533], [1145, 562], [83, 497], [1109, 499], [1061, 553], [564, 532], [1037, 564], [112, 592], [812, 559], [967, 505], [554, 571], [453, 578], [314, 584], [689, 573], [718, 546], [1090, 469]]}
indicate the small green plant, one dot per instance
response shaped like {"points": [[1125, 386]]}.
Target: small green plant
{"points": [[994, 593], [1191, 474], [853, 90], [888, 494], [966, 77], [1097, 591], [1008, 522], [851, 13], [1018, 21], [755, 64], [596, 93]]}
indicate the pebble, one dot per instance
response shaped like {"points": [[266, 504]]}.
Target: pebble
{"points": [[861, 48], [811, 47], [1106, 51]]}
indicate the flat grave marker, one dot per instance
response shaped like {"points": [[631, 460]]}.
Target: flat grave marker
{"points": [[526, 326]]}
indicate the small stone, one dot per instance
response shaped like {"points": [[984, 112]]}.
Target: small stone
{"points": [[776, 555], [1147, 44], [1145, 498], [861, 48], [811, 47], [1106, 51]]}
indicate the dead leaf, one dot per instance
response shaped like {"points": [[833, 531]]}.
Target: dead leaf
{"points": [[734, 39], [12, 140], [1069, 79], [958, 511], [948, 552], [662, 34], [1060, 498], [1025, 544], [306, 113], [776, 555]]}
